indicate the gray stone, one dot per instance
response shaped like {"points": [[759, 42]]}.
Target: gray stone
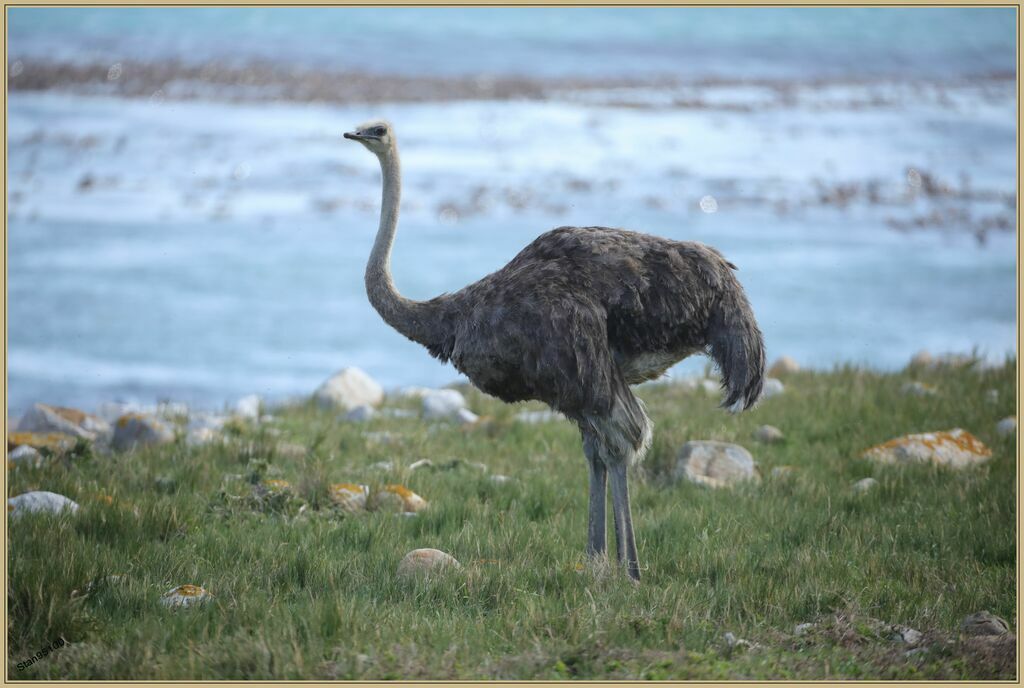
{"points": [[1007, 426], [908, 635], [136, 430], [768, 434], [25, 455], [466, 417], [349, 388], [773, 387], [360, 414], [39, 501], [426, 563], [715, 464], [984, 623]]}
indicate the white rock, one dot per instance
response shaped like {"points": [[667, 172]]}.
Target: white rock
{"points": [[422, 463], [426, 562], [42, 418], [396, 498], [413, 392], [783, 366], [803, 628], [360, 414], [135, 430], [715, 464], [349, 388], [197, 437], [39, 501], [773, 387], [535, 417], [768, 434], [1007, 426], [349, 496], [185, 596], [442, 403], [248, 407], [917, 389], [25, 455], [908, 635], [953, 448], [864, 485], [466, 417], [499, 479]]}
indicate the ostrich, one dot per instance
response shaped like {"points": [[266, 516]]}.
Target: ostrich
{"points": [[573, 320]]}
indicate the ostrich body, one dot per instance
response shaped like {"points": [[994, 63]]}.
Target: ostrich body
{"points": [[573, 320]]}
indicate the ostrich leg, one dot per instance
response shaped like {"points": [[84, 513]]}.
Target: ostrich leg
{"points": [[625, 543], [598, 491]]}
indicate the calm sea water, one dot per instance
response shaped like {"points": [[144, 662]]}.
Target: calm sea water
{"points": [[685, 41], [201, 251]]}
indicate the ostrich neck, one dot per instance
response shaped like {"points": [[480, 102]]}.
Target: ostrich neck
{"points": [[409, 317]]}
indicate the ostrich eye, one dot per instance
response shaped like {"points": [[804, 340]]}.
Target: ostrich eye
{"points": [[380, 131]]}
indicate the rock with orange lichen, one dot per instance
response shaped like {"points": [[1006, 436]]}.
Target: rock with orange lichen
{"points": [[349, 496], [134, 430], [53, 441], [395, 498], [955, 448], [43, 418], [185, 596], [784, 365]]}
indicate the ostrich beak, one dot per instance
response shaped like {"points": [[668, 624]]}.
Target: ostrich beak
{"points": [[354, 135]]}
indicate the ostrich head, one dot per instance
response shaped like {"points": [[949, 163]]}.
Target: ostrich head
{"points": [[376, 135]]}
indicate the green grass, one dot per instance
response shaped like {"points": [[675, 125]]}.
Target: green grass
{"points": [[312, 594]]}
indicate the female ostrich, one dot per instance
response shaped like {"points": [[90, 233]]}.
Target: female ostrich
{"points": [[576, 318]]}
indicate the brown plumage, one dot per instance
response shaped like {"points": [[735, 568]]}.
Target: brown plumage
{"points": [[575, 318]]}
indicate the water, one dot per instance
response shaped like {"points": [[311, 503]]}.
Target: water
{"points": [[692, 41], [200, 251]]}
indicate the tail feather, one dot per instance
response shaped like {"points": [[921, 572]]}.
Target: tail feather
{"points": [[737, 347]]}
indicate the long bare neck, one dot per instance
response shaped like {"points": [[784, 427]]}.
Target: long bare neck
{"points": [[411, 318]]}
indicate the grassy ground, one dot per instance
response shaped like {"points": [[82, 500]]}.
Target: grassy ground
{"points": [[315, 595]]}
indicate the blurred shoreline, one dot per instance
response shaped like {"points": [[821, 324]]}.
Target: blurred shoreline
{"points": [[260, 81]]}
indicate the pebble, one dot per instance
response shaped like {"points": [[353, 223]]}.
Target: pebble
{"points": [[784, 365], [715, 464], [424, 562], [803, 628], [466, 417], [908, 635], [773, 387], [984, 623], [347, 389], [185, 596], [1007, 426], [499, 479], [422, 463], [768, 434], [39, 501], [864, 485], [955, 448]]}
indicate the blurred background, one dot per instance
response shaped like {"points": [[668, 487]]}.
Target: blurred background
{"points": [[186, 223]]}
